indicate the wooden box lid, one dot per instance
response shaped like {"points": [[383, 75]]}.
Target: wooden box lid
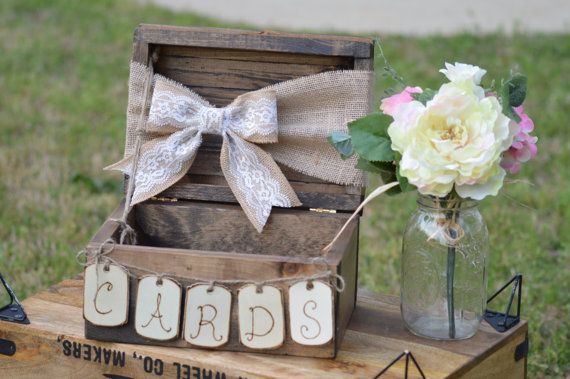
{"points": [[221, 64]]}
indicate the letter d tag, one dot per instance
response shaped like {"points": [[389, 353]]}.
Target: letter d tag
{"points": [[106, 295], [311, 313], [158, 308], [261, 318]]}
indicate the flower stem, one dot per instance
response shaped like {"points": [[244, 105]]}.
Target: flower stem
{"points": [[451, 249], [450, 300]]}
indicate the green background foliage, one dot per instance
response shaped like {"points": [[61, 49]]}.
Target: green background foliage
{"points": [[63, 74]]}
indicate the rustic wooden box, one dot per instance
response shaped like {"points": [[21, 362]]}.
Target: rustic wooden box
{"points": [[54, 346], [196, 229]]}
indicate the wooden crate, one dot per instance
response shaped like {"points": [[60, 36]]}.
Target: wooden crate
{"points": [[54, 346], [205, 234]]}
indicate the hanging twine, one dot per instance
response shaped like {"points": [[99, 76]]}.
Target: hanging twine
{"points": [[128, 234], [101, 256], [377, 192]]}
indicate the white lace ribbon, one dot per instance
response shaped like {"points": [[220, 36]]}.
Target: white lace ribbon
{"points": [[177, 119]]}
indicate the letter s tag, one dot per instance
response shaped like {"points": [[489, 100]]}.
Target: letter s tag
{"points": [[157, 314], [207, 319], [261, 318], [311, 313], [106, 295]]}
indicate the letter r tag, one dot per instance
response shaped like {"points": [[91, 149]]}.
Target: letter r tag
{"points": [[261, 318], [311, 313], [106, 295], [208, 311]]}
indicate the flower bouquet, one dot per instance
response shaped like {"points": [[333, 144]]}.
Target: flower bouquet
{"points": [[454, 146]]}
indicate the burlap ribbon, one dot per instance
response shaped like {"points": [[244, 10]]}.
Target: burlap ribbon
{"points": [[299, 113]]}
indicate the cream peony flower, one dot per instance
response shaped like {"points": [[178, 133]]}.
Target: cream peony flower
{"points": [[456, 139]]}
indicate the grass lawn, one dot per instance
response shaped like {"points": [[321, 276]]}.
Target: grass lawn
{"points": [[63, 75]]}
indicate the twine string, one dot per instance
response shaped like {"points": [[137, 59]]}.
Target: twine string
{"points": [[101, 256], [377, 192], [128, 234]]}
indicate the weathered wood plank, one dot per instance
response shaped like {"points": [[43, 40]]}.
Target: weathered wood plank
{"points": [[348, 270], [169, 51], [207, 162], [224, 227], [493, 366], [215, 188], [228, 74], [254, 40]]}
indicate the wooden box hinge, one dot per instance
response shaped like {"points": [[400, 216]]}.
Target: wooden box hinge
{"points": [[165, 199], [322, 210]]}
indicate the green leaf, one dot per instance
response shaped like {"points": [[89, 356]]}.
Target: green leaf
{"points": [[508, 110], [342, 143], [425, 96], [381, 168], [370, 137], [386, 170], [513, 94], [405, 186], [511, 113], [516, 87]]}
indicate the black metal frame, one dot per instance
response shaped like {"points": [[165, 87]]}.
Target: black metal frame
{"points": [[13, 312], [408, 354], [502, 322]]}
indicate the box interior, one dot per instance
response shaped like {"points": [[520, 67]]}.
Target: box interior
{"points": [[225, 228]]}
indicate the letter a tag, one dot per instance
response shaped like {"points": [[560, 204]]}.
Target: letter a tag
{"points": [[106, 295], [311, 313], [157, 315], [261, 318], [208, 311]]}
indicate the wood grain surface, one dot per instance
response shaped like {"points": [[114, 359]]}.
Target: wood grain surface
{"points": [[54, 346], [224, 227]]}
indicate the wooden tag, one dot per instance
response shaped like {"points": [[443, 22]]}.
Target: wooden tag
{"points": [[157, 314], [208, 313], [311, 313], [261, 318], [106, 295]]}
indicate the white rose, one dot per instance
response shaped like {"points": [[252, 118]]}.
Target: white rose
{"points": [[461, 71], [456, 139]]}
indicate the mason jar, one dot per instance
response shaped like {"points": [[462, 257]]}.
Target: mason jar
{"points": [[444, 268]]}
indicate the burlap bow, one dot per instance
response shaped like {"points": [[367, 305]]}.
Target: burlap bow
{"points": [[178, 117], [299, 114]]}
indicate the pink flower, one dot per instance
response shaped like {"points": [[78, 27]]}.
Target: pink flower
{"points": [[389, 104], [524, 145]]}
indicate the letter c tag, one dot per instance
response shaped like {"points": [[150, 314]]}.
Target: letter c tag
{"points": [[311, 313], [106, 295]]}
